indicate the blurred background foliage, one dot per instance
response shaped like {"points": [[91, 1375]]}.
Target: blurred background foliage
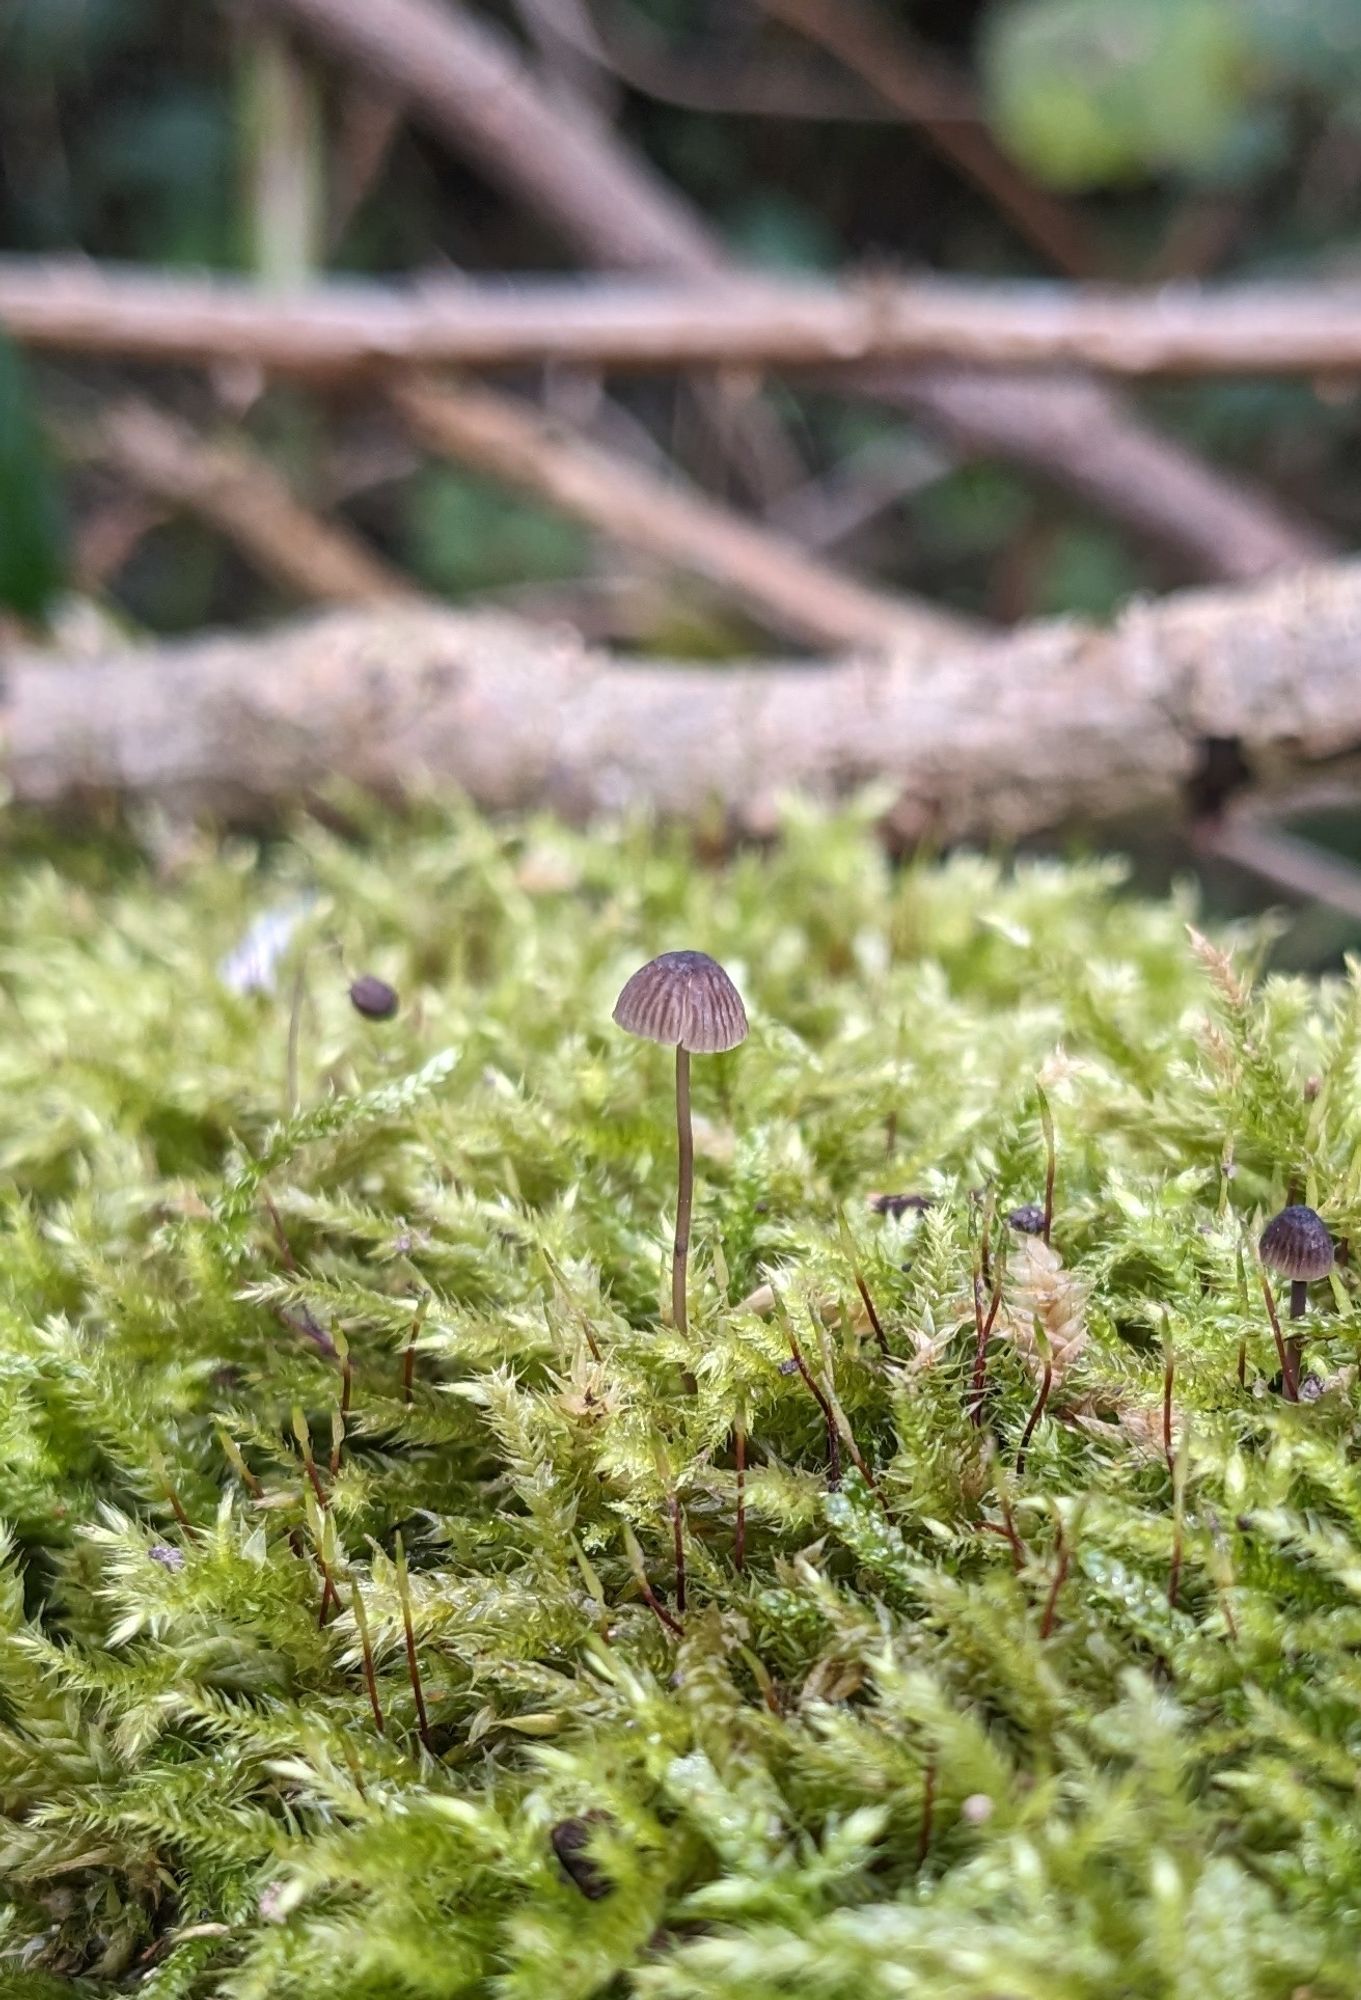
{"points": [[1191, 139], [1197, 138]]}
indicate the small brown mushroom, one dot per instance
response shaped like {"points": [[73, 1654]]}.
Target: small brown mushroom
{"points": [[1296, 1245], [1028, 1219], [571, 1839], [686, 1001]]}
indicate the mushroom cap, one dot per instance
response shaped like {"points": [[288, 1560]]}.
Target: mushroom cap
{"points": [[1028, 1218], [684, 1000], [1296, 1244], [373, 997]]}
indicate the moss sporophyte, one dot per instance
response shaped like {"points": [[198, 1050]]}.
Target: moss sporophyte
{"points": [[1012, 1648]]}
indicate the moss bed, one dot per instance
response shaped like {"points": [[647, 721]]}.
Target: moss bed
{"points": [[970, 1722]]}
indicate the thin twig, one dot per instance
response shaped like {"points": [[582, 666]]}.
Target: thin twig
{"points": [[788, 589], [235, 491]]}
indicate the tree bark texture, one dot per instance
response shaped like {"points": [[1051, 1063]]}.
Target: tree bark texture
{"points": [[1057, 723]]}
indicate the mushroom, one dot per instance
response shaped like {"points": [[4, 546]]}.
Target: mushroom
{"points": [[373, 997], [686, 1001], [1295, 1244], [1028, 1219]]}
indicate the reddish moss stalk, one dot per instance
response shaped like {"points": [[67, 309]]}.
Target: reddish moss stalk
{"points": [[740, 1455], [366, 1647], [413, 1665], [1035, 1415], [833, 1435], [1290, 1387], [1050, 1163], [673, 1507], [868, 1302], [1059, 1579]]}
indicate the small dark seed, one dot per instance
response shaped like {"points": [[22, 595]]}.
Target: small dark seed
{"points": [[570, 1838], [373, 998], [1029, 1219]]}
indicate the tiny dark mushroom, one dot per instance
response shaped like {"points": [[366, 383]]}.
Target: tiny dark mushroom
{"points": [[373, 997], [570, 1839], [686, 1001], [1029, 1219], [1296, 1245]]}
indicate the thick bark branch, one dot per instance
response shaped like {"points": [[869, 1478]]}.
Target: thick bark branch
{"points": [[70, 306], [467, 80], [1058, 722], [788, 589]]}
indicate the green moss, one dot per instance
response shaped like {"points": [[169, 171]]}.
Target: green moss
{"points": [[951, 1737]]}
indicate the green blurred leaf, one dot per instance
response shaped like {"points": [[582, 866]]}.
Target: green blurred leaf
{"points": [[781, 235], [32, 565], [1089, 92], [464, 534]]}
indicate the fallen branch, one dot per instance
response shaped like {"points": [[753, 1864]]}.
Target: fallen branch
{"points": [[240, 495], [70, 306], [1058, 722], [467, 80], [788, 590]]}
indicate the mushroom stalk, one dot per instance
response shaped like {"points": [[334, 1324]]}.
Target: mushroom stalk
{"points": [[685, 1192], [1299, 1299]]}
